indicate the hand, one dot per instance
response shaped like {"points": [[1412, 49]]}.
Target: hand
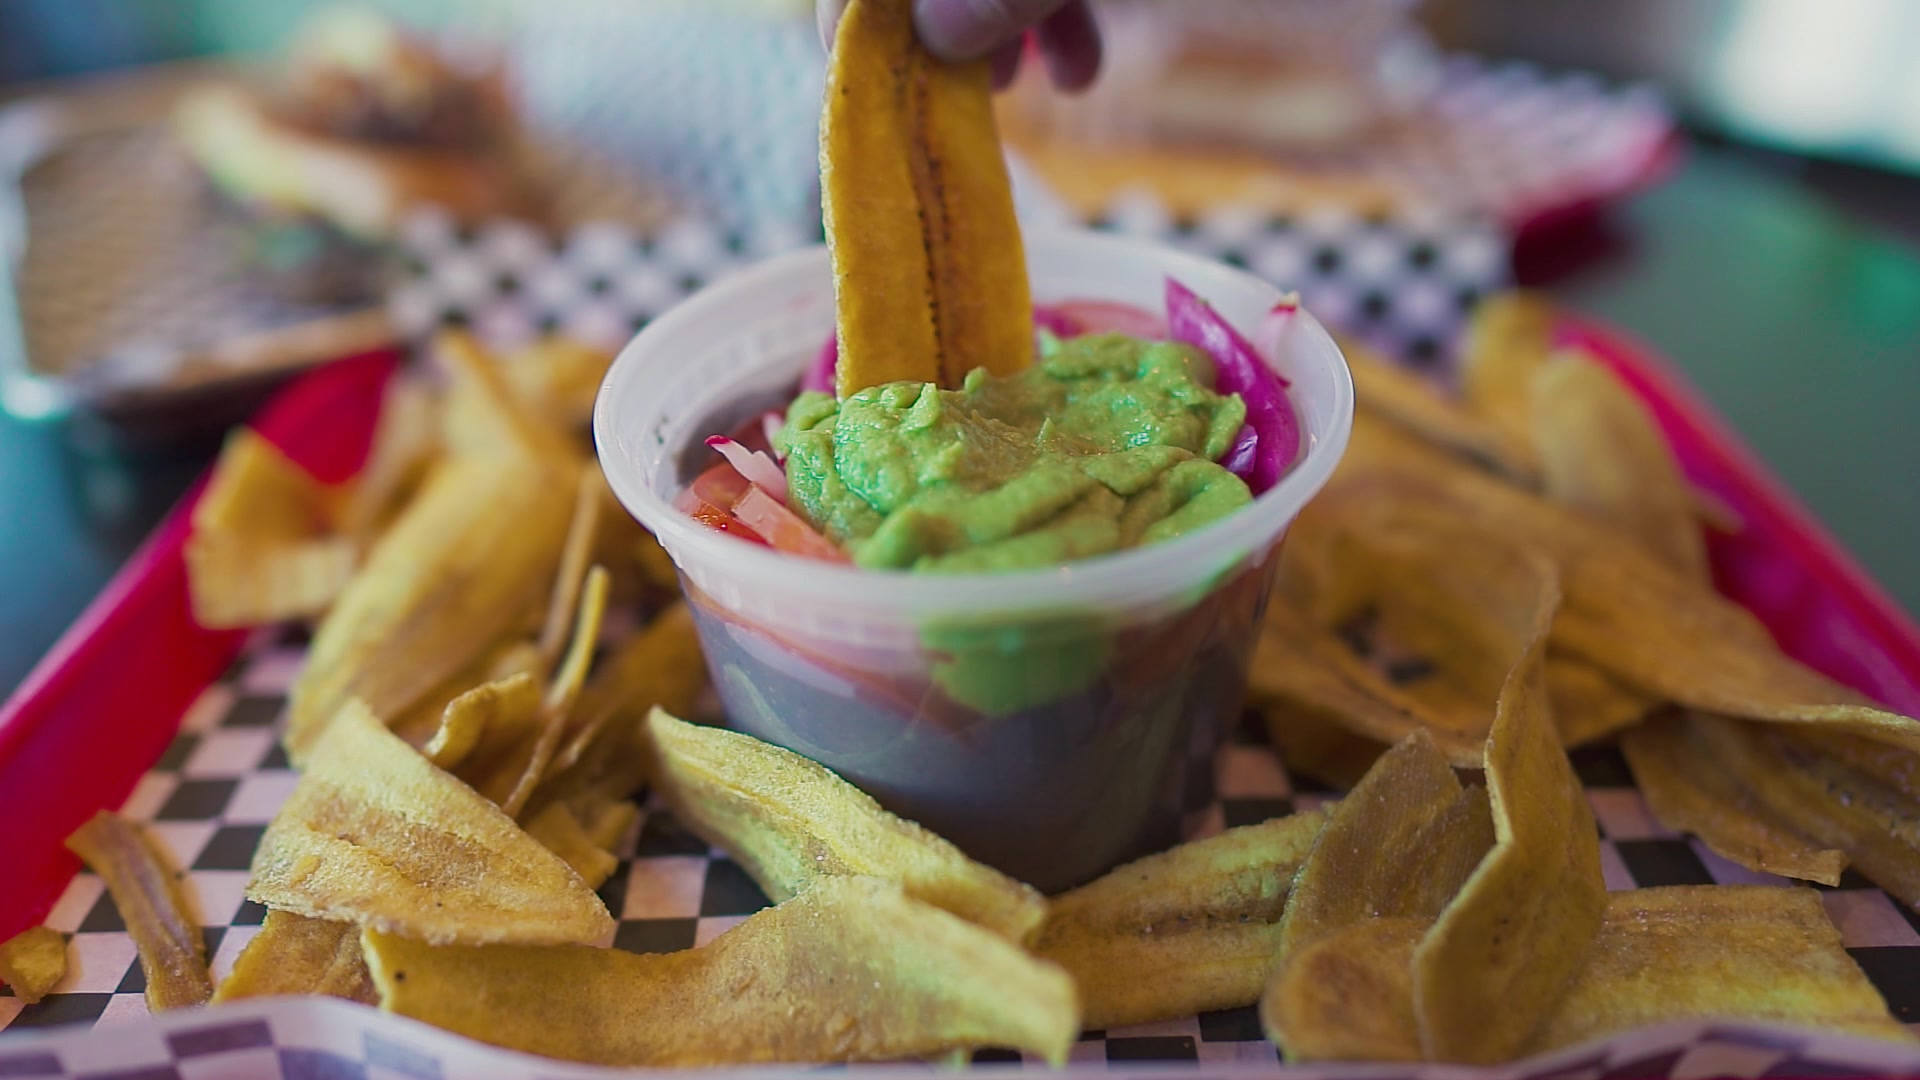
{"points": [[969, 29]]}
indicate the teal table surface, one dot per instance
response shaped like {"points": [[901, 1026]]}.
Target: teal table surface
{"points": [[1800, 325]]}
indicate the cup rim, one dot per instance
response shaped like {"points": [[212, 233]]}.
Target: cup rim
{"points": [[1115, 577]]}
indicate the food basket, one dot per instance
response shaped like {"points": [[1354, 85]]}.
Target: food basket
{"points": [[138, 707]]}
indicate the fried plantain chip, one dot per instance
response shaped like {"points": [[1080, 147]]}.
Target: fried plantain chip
{"points": [[259, 493], [1832, 804], [259, 551], [574, 556], [405, 439], [1588, 704], [1602, 454], [1185, 931], [1718, 952], [656, 566], [791, 823], [1689, 788], [147, 892], [850, 970], [1465, 605], [488, 719], [1398, 395], [238, 583], [375, 834], [1400, 844], [1649, 626], [1348, 995], [1507, 946], [559, 377], [33, 962], [930, 279], [1509, 338], [605, 820], [512, 780], [561, 833], [293, 954], [1300, 667], [660, 666], [484, 417], [1316, 743], [463, 567], [420, 723]]}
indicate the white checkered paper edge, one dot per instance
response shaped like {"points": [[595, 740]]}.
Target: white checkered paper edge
{"points": [[212, 793], [298, 1039]]}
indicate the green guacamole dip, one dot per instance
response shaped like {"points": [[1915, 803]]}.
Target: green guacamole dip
{"points": [[1106, 442]]}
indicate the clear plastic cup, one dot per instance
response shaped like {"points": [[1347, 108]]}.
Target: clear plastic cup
{"points": [[1050, 722]]}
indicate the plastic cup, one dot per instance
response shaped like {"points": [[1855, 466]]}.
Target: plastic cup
{"points": [[1052, 723]]}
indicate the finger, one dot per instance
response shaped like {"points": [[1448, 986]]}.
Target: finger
{"points": [[827, 14], [1006, 63], [1070, 40], [970, 29]]}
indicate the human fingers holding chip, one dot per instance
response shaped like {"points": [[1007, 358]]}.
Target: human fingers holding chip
{"points": [[958, 30]]}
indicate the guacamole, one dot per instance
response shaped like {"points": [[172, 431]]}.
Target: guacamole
{"points": [[1106, 442]]}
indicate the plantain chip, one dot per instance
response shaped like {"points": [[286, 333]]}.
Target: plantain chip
{"points": [[260, 551], [484, 417], [1315, 742], [238, 583], [1751, 953], [1509, 338], [930, 279], [561, 833], [405, 440], [1690, 788], [1400, 844], [487, 720], [1409, 401], [660, 666], [1348, 995], [791, 823], [375, 834], [1602, 454], [1511, 940], [1185, 931], [606, 821], [1588, 704], [462, 568], [1824, 798], [1649, 626], [420, 723], [1465, 605], [146, 890], [33, 962], [656, 566], [575, 554], [1300, 667], [559, 377], [293, 954], [850, 970], [511, 781]]}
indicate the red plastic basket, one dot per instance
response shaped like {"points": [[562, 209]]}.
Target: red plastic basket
{"points": [[102, 706]]}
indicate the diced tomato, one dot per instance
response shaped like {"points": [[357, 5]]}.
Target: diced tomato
{"points": [[784, 529], [720, 486], [1106, 317]]}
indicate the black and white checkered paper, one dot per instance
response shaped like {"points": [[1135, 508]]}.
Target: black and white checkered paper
{"points": [[210, 796], [1403, 283]]}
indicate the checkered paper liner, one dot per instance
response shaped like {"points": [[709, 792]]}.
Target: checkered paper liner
{"points": [[210, 796], [1404, 282]]}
